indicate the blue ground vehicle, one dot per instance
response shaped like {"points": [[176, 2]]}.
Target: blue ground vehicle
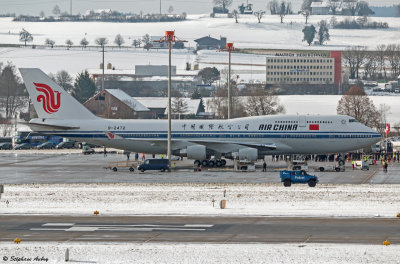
{"points": [[297, 176], [155, 164]]}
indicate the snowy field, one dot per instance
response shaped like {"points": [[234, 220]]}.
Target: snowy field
{"points": [[248, 33], [202, 253], [196, 199]]}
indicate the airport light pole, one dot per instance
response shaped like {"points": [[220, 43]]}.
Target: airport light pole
{"points": [[170, 38], [229, 48]]}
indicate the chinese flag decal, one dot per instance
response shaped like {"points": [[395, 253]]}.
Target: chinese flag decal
{"points": [[314, 126]]}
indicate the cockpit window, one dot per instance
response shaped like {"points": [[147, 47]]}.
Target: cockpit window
{"points": [[353, 121]]}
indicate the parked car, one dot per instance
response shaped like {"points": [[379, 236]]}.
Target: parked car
{"points": [[23, 146], [6, 145], [66, 144], [46, 145], [155, 164]]}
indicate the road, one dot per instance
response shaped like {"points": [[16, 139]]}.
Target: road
{"points": [[199, 229], [44, 167]]}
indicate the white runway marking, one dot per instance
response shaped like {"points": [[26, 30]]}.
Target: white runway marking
{"points": [[73, 227]]}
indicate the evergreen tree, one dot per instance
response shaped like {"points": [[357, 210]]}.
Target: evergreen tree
{"points": [[309, 34], [196, 94], [323, 32], [84, 87]]}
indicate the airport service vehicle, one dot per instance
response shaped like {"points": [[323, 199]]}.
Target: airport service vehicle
{"points": [[86, 150], [34, 139], [23, 146], [322, 168], [248, 138], [66, 144], [46, 145], [297, 176], [155, 164], [6, 145]]}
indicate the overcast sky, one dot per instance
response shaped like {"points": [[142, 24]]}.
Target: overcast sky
{"points": [[33, 7]]}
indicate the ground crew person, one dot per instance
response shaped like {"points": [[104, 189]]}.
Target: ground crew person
{"points": [[383, 165], [264, 166], [353, 164]]}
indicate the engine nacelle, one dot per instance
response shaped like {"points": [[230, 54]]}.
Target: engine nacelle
{"points": [[248, 154], [197, 152]]}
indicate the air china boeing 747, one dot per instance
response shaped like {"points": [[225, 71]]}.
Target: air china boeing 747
{"points": [[249, 137]]}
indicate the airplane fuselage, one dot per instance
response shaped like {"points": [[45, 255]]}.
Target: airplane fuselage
{"points": [[280, 134]]}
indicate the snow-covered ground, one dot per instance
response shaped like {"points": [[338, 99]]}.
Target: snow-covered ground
{"points": [[201, 253], [196, 199], [270, 33]]}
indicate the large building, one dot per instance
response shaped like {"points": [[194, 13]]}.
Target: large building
{"points": [[301, 67]]}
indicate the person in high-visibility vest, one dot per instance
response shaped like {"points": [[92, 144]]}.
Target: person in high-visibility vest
{"points": [[383, 165], [353, 164]]}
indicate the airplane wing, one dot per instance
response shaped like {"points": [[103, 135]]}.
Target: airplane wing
{"points": [[48, 126], [227, 146]]}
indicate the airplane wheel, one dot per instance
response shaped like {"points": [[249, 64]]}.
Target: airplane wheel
{"points": [[223, 162], [211, 163], [204, 163], [197, 163], [218, 163]]}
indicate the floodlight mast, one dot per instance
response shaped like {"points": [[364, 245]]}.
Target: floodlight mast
{"points": [[229, 48], [170, 38]]}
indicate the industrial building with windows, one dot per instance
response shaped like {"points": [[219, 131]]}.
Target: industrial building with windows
{"points": [[302, 68]]}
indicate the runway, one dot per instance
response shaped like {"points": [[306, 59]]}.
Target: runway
{"points": [[43, 167], [182, 229]]}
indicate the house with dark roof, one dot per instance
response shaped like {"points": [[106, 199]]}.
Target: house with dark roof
{"points": [[210, 43], [116, 104]]}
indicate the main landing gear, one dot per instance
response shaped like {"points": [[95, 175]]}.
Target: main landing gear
{"points": [[210, 163]]}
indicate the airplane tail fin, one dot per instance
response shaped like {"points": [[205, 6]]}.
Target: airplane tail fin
{"points": [[49, 99]]}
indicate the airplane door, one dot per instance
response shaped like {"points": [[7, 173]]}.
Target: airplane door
{"points": [[302, 121]]}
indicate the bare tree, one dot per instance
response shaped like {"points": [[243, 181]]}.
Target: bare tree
{"points": [[333, 21], [259, 15], [370, 66], [56, 10], [381, 56], [273, 7], [101, 41], [84, 43], [50, 42], [219, 104], [64, 80], [170, 9], [357, 104], [354, 58], [259, 103], [12, 95], [224, 4], [393, 56], [42, 14], [69, 43], [306, 13], [119, 40], [25, 36], [137, 42], [147, 42], [351, 5], [333, 6], [236, 15]]}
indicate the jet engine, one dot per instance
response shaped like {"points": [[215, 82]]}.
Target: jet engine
{"points": [[248, 154], [196, 152]]}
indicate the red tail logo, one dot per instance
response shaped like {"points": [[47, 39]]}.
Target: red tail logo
{"points": [[50, 98]]}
